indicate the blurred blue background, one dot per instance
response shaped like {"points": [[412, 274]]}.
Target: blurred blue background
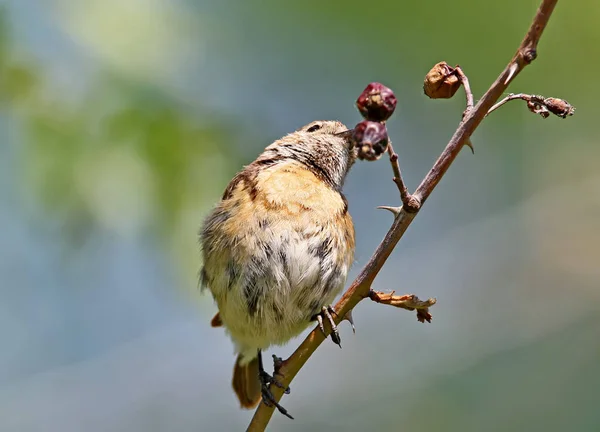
{"points": [[121, 123]]}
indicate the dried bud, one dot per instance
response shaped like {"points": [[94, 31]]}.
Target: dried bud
{"points": [[371, 139], [537, 108], [559, 107], [377, 102], [441, 82]]}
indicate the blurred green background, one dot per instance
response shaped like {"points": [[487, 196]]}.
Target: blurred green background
{"points": [[121, 123]]}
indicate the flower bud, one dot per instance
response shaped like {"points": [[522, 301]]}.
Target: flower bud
{"points": [[537, 108]]}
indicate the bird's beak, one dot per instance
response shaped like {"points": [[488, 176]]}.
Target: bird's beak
{"points": [[345, 134]]}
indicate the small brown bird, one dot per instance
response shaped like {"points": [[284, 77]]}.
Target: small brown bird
{"points": [[278, 247]]}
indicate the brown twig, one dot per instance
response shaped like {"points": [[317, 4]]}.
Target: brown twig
{"points": [[360, 288], [469, 96], [468, 93], [408, 202], [539, 105], [404, 194], [508, 98], [408, 301]]}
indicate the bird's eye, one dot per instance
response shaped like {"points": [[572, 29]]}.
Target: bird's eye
{"points": [[314, 128]]}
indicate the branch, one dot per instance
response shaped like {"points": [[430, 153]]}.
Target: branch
{"points": [[409, 302], [539, 105], [360, 288], [468, 93], [408, 202]]}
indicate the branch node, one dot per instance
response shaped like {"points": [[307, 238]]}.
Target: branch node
{"points": [[412, 205], [530, 55], [409, 202]]}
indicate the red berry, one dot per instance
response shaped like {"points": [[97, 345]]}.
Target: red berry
{"points": [[371, 139], [377, 102]]}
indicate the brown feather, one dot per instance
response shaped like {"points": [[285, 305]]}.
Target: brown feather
{"points": [[246, 384], [216, 321]]}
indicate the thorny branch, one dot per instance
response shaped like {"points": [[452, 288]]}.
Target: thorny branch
{"points": [[361, 287]]}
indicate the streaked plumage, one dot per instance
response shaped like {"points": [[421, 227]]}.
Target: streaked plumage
{"points": [[279, 245]]}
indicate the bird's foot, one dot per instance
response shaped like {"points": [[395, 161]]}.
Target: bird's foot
{"points": [[266, 381], [326, 312]]}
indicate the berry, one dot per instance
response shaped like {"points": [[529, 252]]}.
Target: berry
{"points": [[371, 139], [441, 82], [377, 102]]}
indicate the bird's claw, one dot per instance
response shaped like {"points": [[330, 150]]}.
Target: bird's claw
{"points": [[268, 399], [267, 380], [326, 312]]}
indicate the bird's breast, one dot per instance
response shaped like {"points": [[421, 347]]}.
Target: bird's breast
{"points": [[276, 250]]}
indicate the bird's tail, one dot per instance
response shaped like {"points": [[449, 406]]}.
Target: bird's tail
{"points": [[246, 383]]}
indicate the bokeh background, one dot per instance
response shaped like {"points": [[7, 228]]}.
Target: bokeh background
{"points": [[122, 121]]}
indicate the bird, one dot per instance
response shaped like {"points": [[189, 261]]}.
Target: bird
{"points": [[277, 248]]}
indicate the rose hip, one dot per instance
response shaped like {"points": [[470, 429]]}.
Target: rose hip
{"points": [[377, 102], [371, 139]]}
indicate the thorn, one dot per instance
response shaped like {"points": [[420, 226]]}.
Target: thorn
{"points": [[511, 72], [394, 210], [348, 317], [470, 145]]}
